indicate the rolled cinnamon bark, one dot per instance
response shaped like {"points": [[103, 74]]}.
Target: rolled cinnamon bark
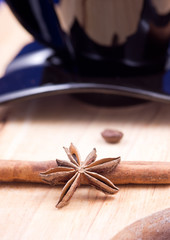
{"points": [[127, 172]]}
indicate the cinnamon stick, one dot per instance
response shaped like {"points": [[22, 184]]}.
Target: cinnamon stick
{"points": [[127, 172]]}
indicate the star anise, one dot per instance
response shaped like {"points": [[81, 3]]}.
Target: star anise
{"points": [[72, 172]]}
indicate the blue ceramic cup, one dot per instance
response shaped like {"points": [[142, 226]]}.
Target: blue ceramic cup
{"points": [[128, 35], [107, 46]]}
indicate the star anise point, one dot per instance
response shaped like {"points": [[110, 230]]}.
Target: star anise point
{"points": [[71, 172]]}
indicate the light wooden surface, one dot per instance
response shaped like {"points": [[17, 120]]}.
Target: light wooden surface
{"points": [[37, 130]]}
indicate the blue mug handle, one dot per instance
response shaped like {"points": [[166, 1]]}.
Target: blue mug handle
{"points": [[40, 19]]}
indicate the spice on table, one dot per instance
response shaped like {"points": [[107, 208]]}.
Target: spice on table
{"points": [[112, 136], [126, 172], [74, 171]]}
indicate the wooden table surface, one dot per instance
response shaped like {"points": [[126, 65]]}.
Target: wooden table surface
{"points": [[38, 129]]}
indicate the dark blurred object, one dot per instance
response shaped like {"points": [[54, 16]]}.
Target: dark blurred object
{"points": [[120, 48], [38, 71]]}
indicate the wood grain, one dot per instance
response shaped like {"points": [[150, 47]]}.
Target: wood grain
{"points": [[38, 129]]}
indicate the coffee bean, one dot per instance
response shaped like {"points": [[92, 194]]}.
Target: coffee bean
{"points": [[112, 136]]}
